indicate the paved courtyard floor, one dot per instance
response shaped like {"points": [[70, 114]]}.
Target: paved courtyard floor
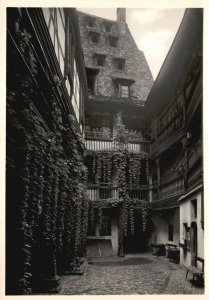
{"points": [[131, 275]]}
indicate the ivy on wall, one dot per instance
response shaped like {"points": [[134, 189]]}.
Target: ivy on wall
{"points": [[127, 169], [53, 209]]}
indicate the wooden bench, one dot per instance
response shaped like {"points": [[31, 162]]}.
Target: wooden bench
{"points": [[198, 275]]}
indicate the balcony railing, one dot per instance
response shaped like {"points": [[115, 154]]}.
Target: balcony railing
{"points": [[97, 145], [102, 193], [139, 194], [98, 134], [169, 190], [195, 155], [171, 118], [172, 192], [192, 98]]}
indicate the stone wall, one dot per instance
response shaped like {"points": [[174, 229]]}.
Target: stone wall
{"points": [[136, 67]]}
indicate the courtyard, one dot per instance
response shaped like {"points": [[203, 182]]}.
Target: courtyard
{"points": [[101, 158], [131, 275]]}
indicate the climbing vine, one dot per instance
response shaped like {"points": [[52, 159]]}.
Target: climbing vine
{"points": [[53, 209], [128, 172]]}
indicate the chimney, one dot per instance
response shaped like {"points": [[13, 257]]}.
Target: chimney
{"points": [[121, 19]]}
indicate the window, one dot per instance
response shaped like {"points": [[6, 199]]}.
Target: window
{"points": [[91, 79], [94, 36], [124, 91], [100, 60], [184, 232], [119, 63], [113, 41], [186, 235], [194, 208], [123, 86], [56, 24], [107, 26], [76, 94], [90, 21], [170, 232], [106, 224]]}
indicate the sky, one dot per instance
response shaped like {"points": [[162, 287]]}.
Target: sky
{"points": [[153, 30]]}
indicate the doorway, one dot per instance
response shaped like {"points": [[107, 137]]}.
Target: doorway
{"points": [[193, 242], [136, 242]]}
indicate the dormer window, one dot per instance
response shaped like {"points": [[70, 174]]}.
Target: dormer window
{"points": [[90, 21], [113, 41], [99, 59], [123, 87], [119, 63], [124, 91], [94, 37], [107, 26]]}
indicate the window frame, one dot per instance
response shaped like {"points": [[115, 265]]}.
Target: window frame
{"points": [[106, 228], [194, 208], [117, 62], [90, 21], [92, 35], [93, 73], [106, 25], [98, 57], [112, 39], [123, 92]]}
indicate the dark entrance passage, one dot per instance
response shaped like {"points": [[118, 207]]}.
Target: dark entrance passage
{"points": [[136, 242], [193, 243]]}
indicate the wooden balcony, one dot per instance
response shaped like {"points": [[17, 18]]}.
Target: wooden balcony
{"points": [[193, 96], [169, 190], [101, 193], [195, 156], [172, 192], [98, 145], [167, 199]]}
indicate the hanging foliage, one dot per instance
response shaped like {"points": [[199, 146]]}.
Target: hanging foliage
{"points": [[99, 217], [128, 169], [121, 160], [52, 172]]}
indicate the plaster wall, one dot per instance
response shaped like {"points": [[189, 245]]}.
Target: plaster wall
{"points": [[186, 216], [161, 221]]}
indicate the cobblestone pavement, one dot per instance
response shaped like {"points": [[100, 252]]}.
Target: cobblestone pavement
{"points": [[133, 274]]}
